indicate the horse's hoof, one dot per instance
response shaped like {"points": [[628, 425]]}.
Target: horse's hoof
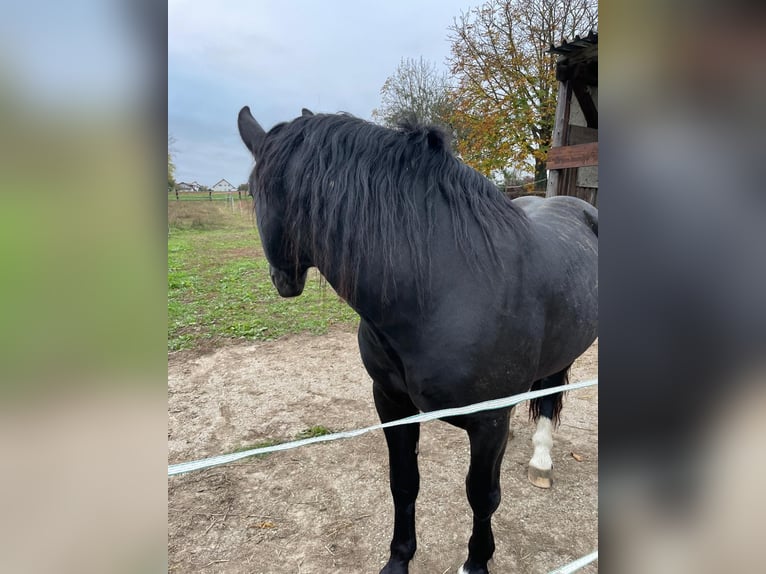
{"points": [[395, 567], [464, 570], [540, 478]]}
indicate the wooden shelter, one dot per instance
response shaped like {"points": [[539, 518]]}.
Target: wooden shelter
{"points": [[573, 157]]}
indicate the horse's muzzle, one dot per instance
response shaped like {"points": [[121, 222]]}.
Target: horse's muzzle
{"points": [[288, 284]]}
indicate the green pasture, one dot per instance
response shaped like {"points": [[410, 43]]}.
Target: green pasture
{"points": [[219, 288]]}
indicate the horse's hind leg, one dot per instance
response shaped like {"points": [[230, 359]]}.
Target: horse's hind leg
{"points": [[404, 477], [545, 411], [488, 436]]}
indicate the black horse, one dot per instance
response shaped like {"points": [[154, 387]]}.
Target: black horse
{"points": [[463, 295]]}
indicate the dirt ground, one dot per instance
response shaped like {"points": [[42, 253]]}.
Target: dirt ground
{"points": [[326, 507]]}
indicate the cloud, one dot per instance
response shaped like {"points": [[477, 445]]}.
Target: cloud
{"points": [[279, 57]]}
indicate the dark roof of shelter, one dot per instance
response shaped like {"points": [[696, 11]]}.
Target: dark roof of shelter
{"points": [[577, 59], [579, 43]]}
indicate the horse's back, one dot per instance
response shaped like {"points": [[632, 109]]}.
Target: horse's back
{"points": [[566, 229], [558, 210]]}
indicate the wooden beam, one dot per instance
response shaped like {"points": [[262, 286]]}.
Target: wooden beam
{"points": [[579, 55], [573, 156], [559, 136], [586, 104], [569, 66]]}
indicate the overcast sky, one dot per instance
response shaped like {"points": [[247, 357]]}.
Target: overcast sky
{"points": [[279, 56]]}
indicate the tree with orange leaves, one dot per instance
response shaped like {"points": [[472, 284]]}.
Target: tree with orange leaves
{"points": [[504, 101]]}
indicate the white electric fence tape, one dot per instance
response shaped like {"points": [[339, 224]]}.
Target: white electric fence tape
{"points": [[184, 467], [577, 564]]}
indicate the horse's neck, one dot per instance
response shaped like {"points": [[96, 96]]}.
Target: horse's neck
{"points": [[375, 300]]}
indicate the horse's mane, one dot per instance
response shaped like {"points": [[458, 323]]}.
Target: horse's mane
{"points": [[353, 188]]}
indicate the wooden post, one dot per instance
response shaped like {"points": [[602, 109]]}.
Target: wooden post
{"points": [[559, 134]]}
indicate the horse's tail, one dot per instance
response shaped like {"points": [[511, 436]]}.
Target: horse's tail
{"points": [[549, 405]]}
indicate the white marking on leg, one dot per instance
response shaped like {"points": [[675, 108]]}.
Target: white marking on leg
{"points": [[461, 570], [543, 441]]}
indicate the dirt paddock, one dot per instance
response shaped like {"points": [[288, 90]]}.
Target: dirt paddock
{"points": [[326, 507]]}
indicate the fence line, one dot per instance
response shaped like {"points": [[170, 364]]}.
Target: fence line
{"points": [[576, 564], [208, 195], [573, 566], [493, 404]]}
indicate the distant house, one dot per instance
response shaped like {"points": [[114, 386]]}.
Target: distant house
{"points": [[183, 186], [223, 185]]}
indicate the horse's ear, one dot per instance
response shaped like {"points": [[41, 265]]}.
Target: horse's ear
{"points": [[306, 112], [250, 130]]}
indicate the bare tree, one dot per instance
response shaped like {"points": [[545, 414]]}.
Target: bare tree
{"points": [[505, 97], [418, 89]]}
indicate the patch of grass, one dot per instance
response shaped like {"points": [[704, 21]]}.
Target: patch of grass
{"points": [[311, 432], [261, 444], [200, 215], [219, 287]]}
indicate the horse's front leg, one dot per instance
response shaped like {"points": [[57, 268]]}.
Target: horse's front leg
{"points": [[404, 478], [488, 435]]}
